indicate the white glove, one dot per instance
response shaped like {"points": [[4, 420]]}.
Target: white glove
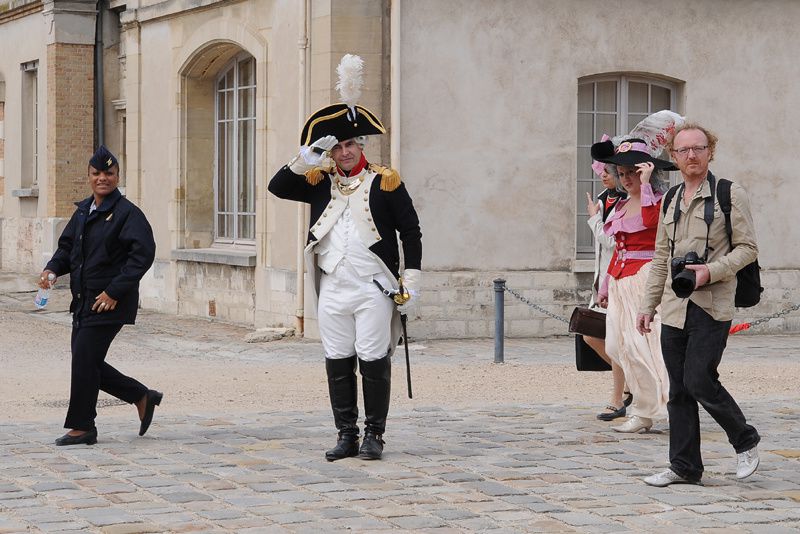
{"points": [[312, 156], [412, 278]]}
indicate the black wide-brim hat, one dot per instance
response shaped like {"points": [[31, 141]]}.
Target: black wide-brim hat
{"points": [[628, 154], [338, 120]]}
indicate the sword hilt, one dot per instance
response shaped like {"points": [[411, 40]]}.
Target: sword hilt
{"points": [[402, 296]]}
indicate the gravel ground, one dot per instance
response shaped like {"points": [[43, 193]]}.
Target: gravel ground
{"points": [[205, 366]]}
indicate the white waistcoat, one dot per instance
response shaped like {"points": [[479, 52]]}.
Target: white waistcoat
{"points": [[343, 242]]}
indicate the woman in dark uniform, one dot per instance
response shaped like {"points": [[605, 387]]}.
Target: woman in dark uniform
{"points": [[106, 248]]}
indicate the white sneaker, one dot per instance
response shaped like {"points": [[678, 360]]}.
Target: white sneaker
{"points": [[666, 478], [746, 463], [634, 424]]}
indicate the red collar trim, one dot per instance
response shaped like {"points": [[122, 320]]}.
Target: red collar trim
{"points": [[355, 170]]}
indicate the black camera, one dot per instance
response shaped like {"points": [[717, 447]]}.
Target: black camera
{"points": [[683, 280]]}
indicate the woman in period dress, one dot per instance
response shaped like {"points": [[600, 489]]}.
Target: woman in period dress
{"points": [[633, 227]]}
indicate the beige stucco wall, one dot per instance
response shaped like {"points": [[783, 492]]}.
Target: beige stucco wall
{"points": [[488, 105]]}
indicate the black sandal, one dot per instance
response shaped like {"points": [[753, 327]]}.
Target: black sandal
{"points": [[612, 414], [627, 400]]}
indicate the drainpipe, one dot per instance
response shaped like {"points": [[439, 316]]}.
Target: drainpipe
{"points": [[394, 84], [99, 96], [302, 111]]}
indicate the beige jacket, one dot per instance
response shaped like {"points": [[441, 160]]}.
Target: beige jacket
{"points": [[717, 296]]}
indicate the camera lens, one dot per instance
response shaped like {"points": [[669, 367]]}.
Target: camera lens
{"points": [[683, 283]]}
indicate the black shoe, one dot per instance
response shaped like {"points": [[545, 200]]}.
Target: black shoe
{"points": [[612, 414], [346, 447], [153, 400], [87, 438], [627, 400], [372, 447]]}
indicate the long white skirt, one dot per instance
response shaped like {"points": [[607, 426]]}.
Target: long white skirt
{"points": [[639, 356]]}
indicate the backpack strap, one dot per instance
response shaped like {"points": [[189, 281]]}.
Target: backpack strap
{"points": [[668, 197], [724, 197], [664, 205]]}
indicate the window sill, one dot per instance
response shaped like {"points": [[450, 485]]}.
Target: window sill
{"points": [[241, 258], [582, 266], [31, 192]]}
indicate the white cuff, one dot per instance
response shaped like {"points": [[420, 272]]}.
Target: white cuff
{"points": [[412, 279]]}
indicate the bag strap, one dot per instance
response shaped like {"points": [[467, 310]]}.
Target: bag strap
{"points": [[668, 197], [708, 212], [665, 205], [724, 196]]}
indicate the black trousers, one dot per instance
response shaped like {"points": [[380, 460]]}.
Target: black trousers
{"points": [[90, 374], [692, 355]]}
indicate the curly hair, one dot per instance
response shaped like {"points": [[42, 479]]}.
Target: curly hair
{"points": [[712, 139]]}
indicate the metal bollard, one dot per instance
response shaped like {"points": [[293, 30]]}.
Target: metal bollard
{"points": [[499, 315]]}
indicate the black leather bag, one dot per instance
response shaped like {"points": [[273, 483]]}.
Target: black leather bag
{"points": [[748, 286], [588, 322], [586, 359]]}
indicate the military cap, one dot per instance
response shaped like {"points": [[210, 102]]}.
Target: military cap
{"points": [[103, 159]]}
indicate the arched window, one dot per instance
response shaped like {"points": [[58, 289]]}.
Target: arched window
{"points": [[234, 148], [610, 105]]}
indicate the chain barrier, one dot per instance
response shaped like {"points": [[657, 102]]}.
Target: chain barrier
{"points": [[765, 319], [500, 289], [535, 306]]}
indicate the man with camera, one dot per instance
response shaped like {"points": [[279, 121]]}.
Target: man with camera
{"points": [[693, 277]]}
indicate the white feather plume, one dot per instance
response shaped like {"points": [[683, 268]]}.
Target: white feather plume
{"points": [[351, 79], [657, 129]]}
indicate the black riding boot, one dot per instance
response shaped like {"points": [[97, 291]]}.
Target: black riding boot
{"points": [[376, 378], [344, 402]]}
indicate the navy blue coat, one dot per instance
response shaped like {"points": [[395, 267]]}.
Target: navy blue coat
{"points": [[393, 212], [109, 250]]}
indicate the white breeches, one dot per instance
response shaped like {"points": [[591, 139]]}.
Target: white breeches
{"points": [[354, 316]]}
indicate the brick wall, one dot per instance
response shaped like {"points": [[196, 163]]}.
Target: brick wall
{"points": [[70, 131]]}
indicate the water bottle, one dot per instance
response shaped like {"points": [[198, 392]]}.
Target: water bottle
{"points": [[43, 295]]}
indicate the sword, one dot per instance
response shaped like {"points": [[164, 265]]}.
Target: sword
{"points": [[401, 296], [403, 320]]}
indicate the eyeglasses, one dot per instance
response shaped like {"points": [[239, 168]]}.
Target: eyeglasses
{"points": [[683, 152]]}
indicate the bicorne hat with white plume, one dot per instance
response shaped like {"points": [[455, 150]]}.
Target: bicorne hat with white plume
{"points": [[346, 119]]}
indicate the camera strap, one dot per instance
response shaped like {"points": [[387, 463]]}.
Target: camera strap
{"points": [[708, 214]]}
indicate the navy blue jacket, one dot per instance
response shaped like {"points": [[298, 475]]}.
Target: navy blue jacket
{"points": [[109, 250]]}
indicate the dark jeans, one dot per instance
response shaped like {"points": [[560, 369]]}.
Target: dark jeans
{"points": [[691, 356], [90, 374]]}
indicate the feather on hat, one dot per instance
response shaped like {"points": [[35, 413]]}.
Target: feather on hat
{"points": [[346, 119]]}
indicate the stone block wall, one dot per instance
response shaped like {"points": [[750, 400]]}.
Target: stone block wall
{"points": [[460, 304], [2, 149], [282, 290], [213, 290], [21, 253]]}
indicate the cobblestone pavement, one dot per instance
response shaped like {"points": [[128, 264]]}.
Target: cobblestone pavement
{"points": [[505, 468], [512, 469]]}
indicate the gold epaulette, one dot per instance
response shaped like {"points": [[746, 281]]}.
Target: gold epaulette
{"points": [[390, 178], [314, 176]]}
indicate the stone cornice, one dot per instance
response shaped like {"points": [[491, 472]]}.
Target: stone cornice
{"points": [[18, 10], [168, 9]]}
